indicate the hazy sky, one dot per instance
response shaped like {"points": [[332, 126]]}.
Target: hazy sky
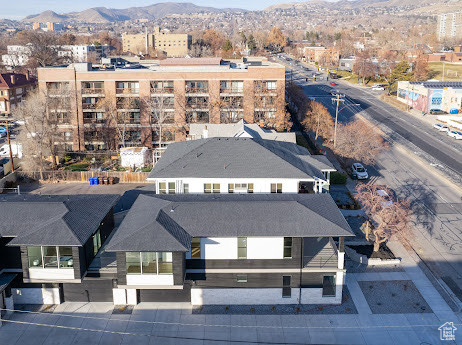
{"points": [[18, 10]]}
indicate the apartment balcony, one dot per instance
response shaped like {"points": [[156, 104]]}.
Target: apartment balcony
{"points": [[197, 106], [93, 121], [265, 91], [156, 91], [93, 91], [127, 91], [90, 106], [232, 90], [197, 90]]}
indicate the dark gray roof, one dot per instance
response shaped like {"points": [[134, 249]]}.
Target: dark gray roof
{"points": [[235, 158], [53, 219], [5, 280], [168, 222]]}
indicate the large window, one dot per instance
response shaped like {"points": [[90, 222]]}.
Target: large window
{"points": [[328, 286], [287, 247], [242, 247], [211, 188], [149, 262], [240, 187], [276, 187], [50, 257], [196, 248], [165, 187], [286, 290]]}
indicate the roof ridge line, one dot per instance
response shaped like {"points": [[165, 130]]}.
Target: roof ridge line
{"points": [[293, 154], [316, 213]]}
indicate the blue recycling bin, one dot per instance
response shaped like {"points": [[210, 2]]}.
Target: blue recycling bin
{"points": [[91, 180], [96, 179]]}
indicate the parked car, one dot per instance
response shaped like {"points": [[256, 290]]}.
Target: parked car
{"points": [[333, 83], [441, 127], [437, 112], [378, 88], [359, 171], [455, 134]]}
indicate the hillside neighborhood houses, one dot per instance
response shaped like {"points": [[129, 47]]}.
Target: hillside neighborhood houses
{"points": [[181, 174]]}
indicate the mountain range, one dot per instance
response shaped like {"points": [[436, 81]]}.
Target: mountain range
{"points": [[106, 15], [160, 10]]}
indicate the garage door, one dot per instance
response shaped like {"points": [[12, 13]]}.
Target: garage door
{"points": [[96, 290], [168, 295]]}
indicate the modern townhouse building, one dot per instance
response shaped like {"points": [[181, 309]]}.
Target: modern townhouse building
{"points": [[47, 244], [240, 165], [231, 249], [13, 88], [149, 104]]}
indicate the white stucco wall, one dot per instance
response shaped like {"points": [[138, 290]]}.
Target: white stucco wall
{"points": [[196, 185], [149, 279], [51, 273], [36, 295], [242, 296], [225, 248], [119, 296], [265, 247]]}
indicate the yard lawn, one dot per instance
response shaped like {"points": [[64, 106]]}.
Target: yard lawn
{"points": [[452, 71]]}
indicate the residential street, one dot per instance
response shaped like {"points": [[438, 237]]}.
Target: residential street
{"points": [[435, 200]]}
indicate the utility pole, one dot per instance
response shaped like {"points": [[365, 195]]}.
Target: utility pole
{"points": [[443, 71], [337, 100], [9, 145]]}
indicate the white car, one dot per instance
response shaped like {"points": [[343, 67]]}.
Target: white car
{"points": [[378, 88], [441, 128], [359, 172], [455, 134]]}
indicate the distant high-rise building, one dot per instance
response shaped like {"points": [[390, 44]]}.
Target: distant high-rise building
{"points": [[48, 26], [450, 25], [174, 45]]}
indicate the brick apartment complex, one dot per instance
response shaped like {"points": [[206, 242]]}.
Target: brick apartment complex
{"points": [[173, 45], [321, 55], [131, 106], [454, 56], [449, 25], [13, 87]]}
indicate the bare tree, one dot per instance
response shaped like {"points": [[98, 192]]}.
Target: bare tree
{"points": [[358, 141], [319, 120], [41, 136], [158, 107], [388, 216], [364, 67]]}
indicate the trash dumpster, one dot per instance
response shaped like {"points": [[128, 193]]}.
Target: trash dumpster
{"points": [[105, 180], [111, 180]]}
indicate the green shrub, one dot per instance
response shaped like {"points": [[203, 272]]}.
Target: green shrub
{"points": [[67, 158], [338, 178], [77, 167]]}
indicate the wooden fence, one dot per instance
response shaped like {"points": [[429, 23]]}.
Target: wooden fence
{"points": [[83, 176]]}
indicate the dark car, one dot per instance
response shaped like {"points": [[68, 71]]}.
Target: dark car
{"points": [[437, 112]]}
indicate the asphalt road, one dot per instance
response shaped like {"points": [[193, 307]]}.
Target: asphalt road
{"points": [[436, 203]]}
